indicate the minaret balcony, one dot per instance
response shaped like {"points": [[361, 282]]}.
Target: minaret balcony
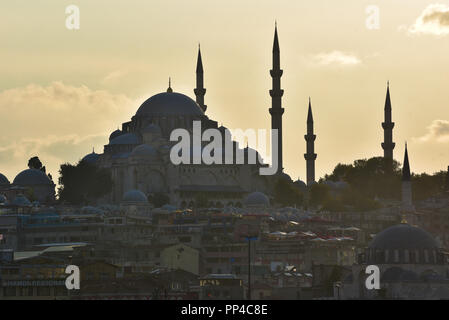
{"points": [[276, 111], [310, 156], [388, 145], [310, 137], [387, 125], [199, 91], [276, 73], [276, 93]]}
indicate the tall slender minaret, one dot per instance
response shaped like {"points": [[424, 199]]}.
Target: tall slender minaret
{"points": [[407, 205], [310, 154], [200, 91], [276, 94], [388, 144]]}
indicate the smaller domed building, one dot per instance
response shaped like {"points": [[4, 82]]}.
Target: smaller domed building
{"points": [[411, 264], [39, 184]]}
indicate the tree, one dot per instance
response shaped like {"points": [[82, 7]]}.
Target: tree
{"points": [[35, 163], [425, 185], [319, 193], [371, 177], [83, 183], [286, 194]]}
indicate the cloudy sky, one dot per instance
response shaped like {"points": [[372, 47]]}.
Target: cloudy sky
{"points": [[63, 91]]}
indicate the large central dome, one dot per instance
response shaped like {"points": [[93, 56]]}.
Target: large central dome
{"points": [[170, 104]]}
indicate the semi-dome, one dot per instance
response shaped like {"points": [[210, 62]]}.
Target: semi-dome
{"points": [[152, 128], [91, 157], [31, 177], [115, 134], [257, 199], [144, 150], [169, 104], [403, 236], [135, 196], [3, 180], [127, 138]]}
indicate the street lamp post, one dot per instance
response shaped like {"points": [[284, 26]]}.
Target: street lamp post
{"points": [[249, 264]]}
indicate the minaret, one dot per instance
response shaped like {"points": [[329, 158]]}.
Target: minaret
{"points": [[388, 144], [310, 154], [276, 94], [200, 91], [407, 205]]}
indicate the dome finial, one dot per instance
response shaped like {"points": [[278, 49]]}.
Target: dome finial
{"points": [[169, 85]]}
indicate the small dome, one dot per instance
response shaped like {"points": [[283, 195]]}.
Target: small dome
{"points": [[135, 196], [21, 201], [115, 134], [300, 184], [286, 177], [152, 128], [127, 138], [144, 150], [30, 177], [3, 180], [91, 157], [257, 199], [170, 104], [403, 236]]}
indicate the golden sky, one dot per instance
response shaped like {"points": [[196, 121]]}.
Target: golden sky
{"points": [[63, 91]]}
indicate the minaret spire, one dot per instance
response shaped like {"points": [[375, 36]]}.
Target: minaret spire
{"points": [[407, 205], [169, 89], [310, 154], [406, 166], [276, 94], [388, 144], [200, 91]]}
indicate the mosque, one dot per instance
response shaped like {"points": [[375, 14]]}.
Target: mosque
{"points": [[138, 153]]}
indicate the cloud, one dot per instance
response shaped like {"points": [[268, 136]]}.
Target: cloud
{"points": [[113, 76], [59, 123], [438, 131], [433, 20], [336, 58]]}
